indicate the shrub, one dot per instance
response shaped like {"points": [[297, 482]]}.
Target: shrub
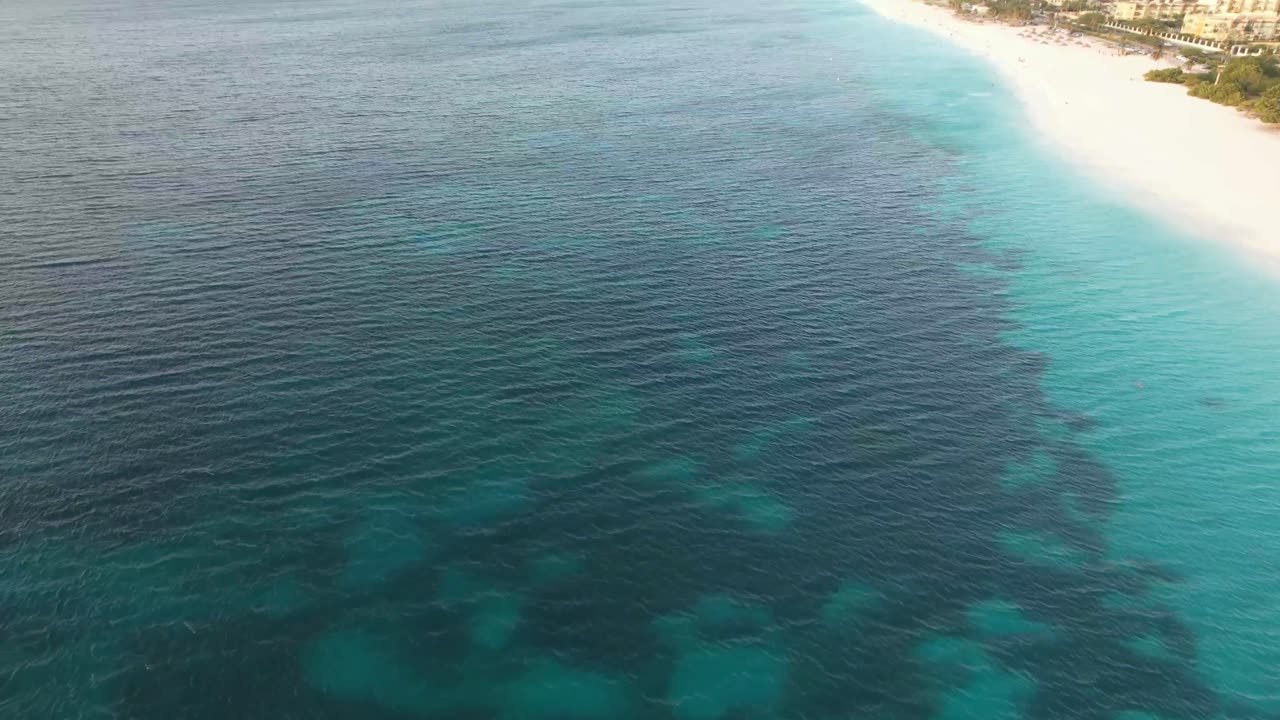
{"points": [[1192, 55], [1165, 75], [1091, 20], [1224, 93], [1247, 73], [1268, 106]]}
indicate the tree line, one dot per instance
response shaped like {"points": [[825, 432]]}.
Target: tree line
{"points": [[1002, 9], [1249, 83]]}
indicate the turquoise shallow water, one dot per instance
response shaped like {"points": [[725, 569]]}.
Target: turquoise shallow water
{"points": [[603, 360], [1167, 342]]}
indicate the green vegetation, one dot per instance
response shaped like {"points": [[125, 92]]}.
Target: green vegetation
{"points": [[1075, 6], [1254, 75], [1150, 40], [1194, 56], [1091, 21], [1010, 9], [1154, 24], [1002, 9], [1267, 107], [1224, 93], [1166, 75], [1249, 83]]}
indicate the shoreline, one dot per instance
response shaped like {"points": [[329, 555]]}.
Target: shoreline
{"points": [[1190, 161]]}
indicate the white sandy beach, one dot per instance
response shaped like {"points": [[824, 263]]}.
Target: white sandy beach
{"points": [[1193, 162]]}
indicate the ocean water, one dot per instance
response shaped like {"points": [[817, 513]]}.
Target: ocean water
{"points": [[633, 359]]}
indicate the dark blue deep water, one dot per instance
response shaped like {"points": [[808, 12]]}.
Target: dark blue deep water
{"points": [[535, 360]]}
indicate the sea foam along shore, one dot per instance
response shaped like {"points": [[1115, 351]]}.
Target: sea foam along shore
{"points": [[1187, 159]]}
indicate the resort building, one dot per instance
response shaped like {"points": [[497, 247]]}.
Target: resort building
{"points": [[1153, 9], [1239, 20], [1247, 27], [1254, 7]]}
